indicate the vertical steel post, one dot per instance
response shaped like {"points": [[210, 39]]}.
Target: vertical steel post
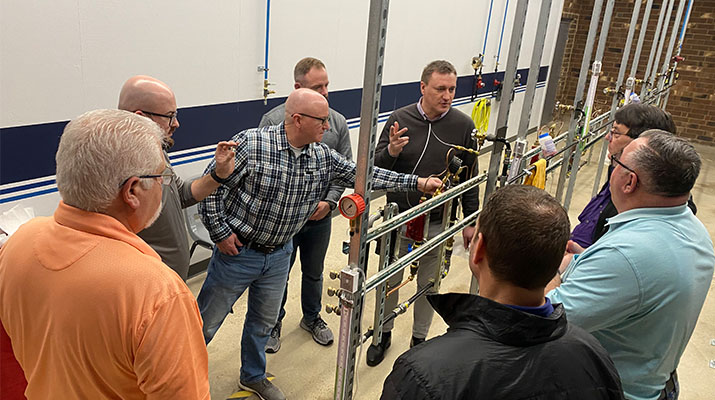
{"points": [[504, 105], [387, 256], [619, 82], [636, 58], [605, 27], [680, 48], [659, 49], [350, 336], [653, 48], [585, 62], [669, 51], [507, 89], [534, 68]]}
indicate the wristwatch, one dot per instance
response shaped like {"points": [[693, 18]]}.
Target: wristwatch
{"points": [[216, 178]]}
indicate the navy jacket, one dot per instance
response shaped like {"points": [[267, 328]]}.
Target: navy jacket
{"points": [[492, 351]]}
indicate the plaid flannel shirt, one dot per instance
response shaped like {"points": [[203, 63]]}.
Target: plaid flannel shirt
{"points": [[271, 193]]}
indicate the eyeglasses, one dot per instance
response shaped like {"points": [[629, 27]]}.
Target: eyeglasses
{"points": [[322, 120], [172, 116], [615, 159], [166, 177], [614, 132]]}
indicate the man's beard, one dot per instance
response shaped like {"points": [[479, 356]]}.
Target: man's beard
{"points": [[156, 215], [167, 143]]}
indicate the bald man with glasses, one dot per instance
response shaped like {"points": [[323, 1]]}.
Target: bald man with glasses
{"points": [[153, 99], [314, 238]]}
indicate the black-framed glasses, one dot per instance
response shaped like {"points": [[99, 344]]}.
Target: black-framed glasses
{"points": [[166, 177], [173, 116], [614, 132], [615, 159], [322, 120]]}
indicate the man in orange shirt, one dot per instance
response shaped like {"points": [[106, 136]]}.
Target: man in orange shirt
{"points": [[90, 309]]}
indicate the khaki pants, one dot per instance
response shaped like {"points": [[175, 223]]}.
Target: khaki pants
{"points": [[429, 265]]}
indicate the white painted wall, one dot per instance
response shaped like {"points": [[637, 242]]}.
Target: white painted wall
{"points": [[61, 58]]}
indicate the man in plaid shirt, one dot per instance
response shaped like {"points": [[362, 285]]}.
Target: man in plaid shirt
{"points": [[282, 172]]}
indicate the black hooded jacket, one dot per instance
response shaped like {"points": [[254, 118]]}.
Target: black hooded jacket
{"points": [[492, 351]]}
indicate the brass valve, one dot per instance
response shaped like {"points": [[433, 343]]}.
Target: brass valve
{"points": [[266, 91], [334, 274], [562, 107], [332, 291], [332, 309]]}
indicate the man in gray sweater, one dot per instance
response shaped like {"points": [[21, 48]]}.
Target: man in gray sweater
{"points": [[419, 139], [314, 237], [154, 99]]}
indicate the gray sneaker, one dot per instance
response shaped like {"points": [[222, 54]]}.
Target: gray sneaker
{"points": [[274, 341], [264, 389], [319, 330]]}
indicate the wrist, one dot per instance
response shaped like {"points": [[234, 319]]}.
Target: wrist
{"points": [[218, 179]]}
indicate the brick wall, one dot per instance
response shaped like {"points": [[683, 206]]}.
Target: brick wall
{"points": [[691, 100]]}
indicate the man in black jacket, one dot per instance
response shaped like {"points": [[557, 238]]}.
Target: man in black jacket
{"points": [[509, 342]]}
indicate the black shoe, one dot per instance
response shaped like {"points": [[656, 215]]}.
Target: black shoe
{"points": [[416, 341], [376, 353]]}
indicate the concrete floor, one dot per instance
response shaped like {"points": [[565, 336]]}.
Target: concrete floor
{"points": [[306, 370]]}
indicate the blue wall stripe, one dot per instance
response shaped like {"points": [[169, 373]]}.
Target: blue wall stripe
{"points": [[190, 160], [28, 195], [27, 186], [21, 158]]}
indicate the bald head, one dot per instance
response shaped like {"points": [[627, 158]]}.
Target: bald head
{"points": [[305, 101], [306, 117], [142, 92], [152, 98]]}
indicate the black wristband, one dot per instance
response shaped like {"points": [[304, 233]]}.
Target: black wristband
{"points": [[216, 178]]}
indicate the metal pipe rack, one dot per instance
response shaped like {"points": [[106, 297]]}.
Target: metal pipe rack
{"points": [[354, 282]]}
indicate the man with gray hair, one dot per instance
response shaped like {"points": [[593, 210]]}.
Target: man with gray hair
{"points": [[314, 237], [640, 288], [154, 99], [81, 292]]}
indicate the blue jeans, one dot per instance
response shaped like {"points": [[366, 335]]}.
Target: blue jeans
{"points": [[228, 277], [312, 240]]}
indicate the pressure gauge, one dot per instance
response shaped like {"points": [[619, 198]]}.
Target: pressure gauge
{"points": [[351, 206]]}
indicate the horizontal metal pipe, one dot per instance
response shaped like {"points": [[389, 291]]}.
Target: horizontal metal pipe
{"points": [[421, 208], [558, 139], [385, 274]]}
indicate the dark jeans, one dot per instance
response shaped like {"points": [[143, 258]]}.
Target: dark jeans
{"points": [[313, 242], [228, 277]]}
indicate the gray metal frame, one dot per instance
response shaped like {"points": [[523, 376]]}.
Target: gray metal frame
{"points": [[619, 82], [669, 51], [680, 48], [655, 47], [636, 57], [580, 85], [507, 88], [605, 26], [534, 68], [350, 336]]}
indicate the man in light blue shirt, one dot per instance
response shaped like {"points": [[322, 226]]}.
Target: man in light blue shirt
{"points": [[639, 289]]}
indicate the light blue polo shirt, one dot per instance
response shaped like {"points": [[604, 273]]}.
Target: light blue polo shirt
{"points": [[639, 290]]}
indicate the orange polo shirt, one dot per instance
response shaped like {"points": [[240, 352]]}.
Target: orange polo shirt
{"points": [[93, 313]]}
